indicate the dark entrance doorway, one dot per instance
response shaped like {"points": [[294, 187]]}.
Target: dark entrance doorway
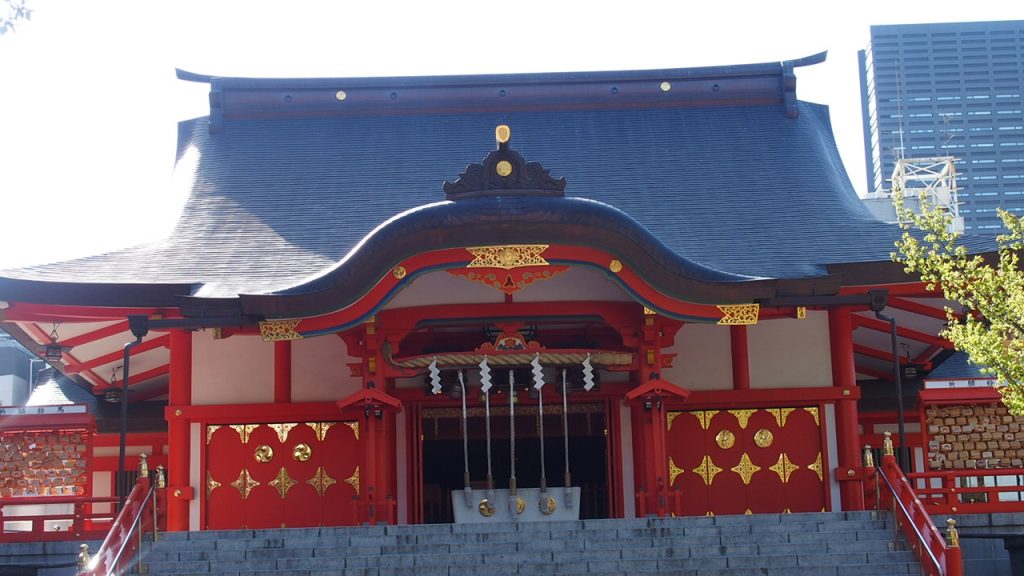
{"points": [[443, 454]]}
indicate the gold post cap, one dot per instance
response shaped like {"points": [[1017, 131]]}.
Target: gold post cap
{"points": [[887, 444], [952, 533]]}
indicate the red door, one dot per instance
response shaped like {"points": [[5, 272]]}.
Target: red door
{"points": [[746, 461], [282, 474]]}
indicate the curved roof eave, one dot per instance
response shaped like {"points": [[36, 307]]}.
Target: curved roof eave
{"points": [[506, 220]]}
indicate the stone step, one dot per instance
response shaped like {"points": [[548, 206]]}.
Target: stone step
{"points": [[830, 544]]}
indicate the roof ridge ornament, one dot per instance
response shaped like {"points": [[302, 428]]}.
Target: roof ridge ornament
{"points": [[504, 172]]}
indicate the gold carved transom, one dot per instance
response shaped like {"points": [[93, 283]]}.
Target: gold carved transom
{"points": [[742, 416], [739, 314], [279, 330], [784, 468], [673, 471], [508, 257], [245, 483], [746, 469], [707, 470], [321, 481], [353, 480], [283, 483]]}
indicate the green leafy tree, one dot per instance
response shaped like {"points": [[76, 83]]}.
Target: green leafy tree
{"points": [[990, 288], [11, 11]]}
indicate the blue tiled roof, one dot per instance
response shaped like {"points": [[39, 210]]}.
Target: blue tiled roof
{"points": [[742, 189], [957, 367]]}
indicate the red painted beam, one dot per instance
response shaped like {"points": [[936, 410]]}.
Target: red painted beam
{"points": [[880, 374], [878, 325], [921, 309], [158, 342], [879, 354], [95, 335], [910, 289], [136, 378], [926, 356]]}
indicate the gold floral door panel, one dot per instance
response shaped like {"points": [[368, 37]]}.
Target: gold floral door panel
{"points": [[281, 474], [746, 461]]}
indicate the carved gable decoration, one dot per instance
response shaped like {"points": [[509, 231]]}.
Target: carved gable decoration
{"points": [[504, 172]]}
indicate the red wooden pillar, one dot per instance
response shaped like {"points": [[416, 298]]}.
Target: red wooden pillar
{"points": [[844, 376], [178, 441], [649, 412], [283, 372], [740, 358]]}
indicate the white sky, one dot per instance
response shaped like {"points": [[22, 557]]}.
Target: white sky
{"points": [[89, 101]]}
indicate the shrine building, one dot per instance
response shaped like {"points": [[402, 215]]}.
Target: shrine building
{"points": [[473, 298]]}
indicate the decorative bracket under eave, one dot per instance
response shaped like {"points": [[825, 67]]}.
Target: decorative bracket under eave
{"points": [[366, 398], [658, 388]]}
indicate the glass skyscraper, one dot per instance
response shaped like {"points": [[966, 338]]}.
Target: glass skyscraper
{"points": [[931, 90]]}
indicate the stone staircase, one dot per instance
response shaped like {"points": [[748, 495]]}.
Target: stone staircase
{"points": [[832, 544]]}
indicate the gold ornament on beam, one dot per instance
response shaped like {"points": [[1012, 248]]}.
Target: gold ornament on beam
{"points": [[508, 257], [739, 314], [279, 330]]}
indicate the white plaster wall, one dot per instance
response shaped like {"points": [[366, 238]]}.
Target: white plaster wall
{"points": [[234, 370], [320, 371], [440, 287], [195, 476], [578, 283], [833, 456], [790, 353], [704, 360], [101, 482]]}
